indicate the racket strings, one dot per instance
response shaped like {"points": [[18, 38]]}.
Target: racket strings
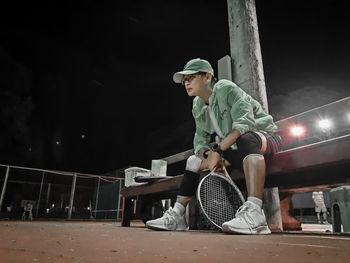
{"points": [[219, 199]]}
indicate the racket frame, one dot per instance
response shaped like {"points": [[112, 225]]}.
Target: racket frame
{"points": [[225, 177]]}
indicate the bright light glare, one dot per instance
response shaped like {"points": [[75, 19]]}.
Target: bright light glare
{"points": [[298, 130], [324, 124]]}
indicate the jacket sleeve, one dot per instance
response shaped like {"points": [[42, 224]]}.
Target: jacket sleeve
{"points": [[242, 112], [201, 139]]}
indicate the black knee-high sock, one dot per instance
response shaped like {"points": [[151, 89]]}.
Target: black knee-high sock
{"points": [[189, 184]]}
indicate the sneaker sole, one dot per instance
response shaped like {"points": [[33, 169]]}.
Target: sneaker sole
{"points": [[163, 228], [263, 230]]}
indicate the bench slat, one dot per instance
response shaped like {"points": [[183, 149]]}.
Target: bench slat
{"points": [[179, 157], [162, 185], [325, 153]]}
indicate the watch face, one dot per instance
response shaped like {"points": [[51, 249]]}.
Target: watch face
{"points": [[216, 148]]}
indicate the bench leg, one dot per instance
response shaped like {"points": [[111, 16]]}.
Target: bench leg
{"points": [[127, 208], [192, 214]]}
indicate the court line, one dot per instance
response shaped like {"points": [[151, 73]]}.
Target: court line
{"points": [[338, 238], [307, 245]]}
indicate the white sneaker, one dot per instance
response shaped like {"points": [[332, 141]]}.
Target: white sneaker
{"points": [[169, 221], [250, 219]]}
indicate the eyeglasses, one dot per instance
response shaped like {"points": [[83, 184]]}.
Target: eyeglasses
{"points": [[188, 78]]}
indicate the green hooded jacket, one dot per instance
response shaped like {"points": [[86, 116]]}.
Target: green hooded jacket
{"points": [[234, 110]]}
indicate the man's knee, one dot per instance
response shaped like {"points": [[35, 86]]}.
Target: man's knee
{"points": [[193, 163], [249, 143]]}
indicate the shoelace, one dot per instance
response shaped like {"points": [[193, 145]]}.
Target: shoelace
{"points": [[242, 213], [168, 214], [242, 209]]}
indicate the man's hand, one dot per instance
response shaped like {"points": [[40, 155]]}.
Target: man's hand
{"points": [[213, 160]]}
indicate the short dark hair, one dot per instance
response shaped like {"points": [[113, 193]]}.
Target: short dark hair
{"points": [[213, 79]]}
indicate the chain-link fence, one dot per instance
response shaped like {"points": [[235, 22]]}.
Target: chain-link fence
{"points": [[47, 194]]}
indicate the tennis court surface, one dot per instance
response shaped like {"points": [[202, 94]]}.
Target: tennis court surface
{"points": [[37, 241]]}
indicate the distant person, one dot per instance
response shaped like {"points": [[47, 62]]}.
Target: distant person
{"points": [[320, 207], [247, 135], [27, 211], [9, 208]]}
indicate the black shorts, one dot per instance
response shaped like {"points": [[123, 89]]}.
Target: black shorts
{"points": [[250, 143]]}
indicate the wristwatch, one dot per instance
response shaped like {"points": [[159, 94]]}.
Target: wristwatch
{"points": [[205, 155], [216, 148]]}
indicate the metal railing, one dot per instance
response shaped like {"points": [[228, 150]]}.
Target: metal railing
{"points": [[59, 194]]}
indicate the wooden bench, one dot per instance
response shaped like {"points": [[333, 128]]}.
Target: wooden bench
{"points": [[322, 165]]}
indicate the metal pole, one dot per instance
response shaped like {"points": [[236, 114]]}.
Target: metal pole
{"points": [[90, 210], [118, 200], [97, 193], [4, 186], [72, 196], [48, 195], [41, 187]]}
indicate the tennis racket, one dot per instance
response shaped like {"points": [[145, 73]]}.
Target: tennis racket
{"points": [[219, 198]]}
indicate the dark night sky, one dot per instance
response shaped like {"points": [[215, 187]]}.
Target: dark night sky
{"points": [[104, 70]]}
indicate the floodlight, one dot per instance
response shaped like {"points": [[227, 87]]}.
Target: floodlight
{"points": [[297, 130], [325, 124]]}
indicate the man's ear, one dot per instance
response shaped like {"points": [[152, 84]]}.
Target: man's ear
{"points": [[208, 76]]}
